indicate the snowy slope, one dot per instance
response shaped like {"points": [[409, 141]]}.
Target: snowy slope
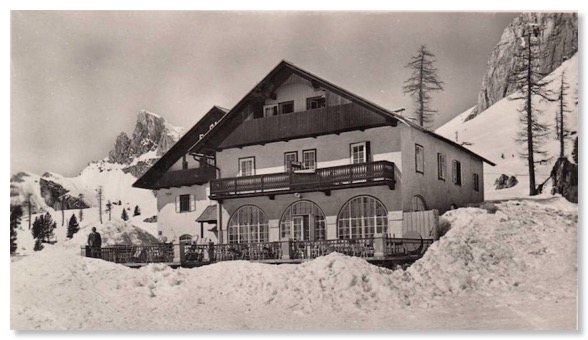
{"points": [[515, 269], [492, 134]]}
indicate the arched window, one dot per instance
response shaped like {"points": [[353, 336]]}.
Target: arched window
{"points": [[300, 219], [185, 238], [361, 217], [418, 203], [248, 225]]}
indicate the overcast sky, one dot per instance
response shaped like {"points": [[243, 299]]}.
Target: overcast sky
{"points": [[80, 78]]}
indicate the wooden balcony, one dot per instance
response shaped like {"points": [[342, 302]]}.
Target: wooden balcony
{"points": [[310, 123], [186, 177], [324, 179]]}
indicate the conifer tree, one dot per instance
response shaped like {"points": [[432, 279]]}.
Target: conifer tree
{"points": [[124, 215], [561, 131], [423, 80], [73, 226], [137, 211], [15, 215], [575, 151], [43, 228], [109, 210], [81, 196], [530, 83], [100, 197]]}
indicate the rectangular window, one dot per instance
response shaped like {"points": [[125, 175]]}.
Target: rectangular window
{"points": [[360, 152], [456, 167], [441, 166], [270, 110], [184, 203], [419, 156], [476, 182], [246, 166], [286, 107], [309, 159], [290, 157], [315, 102]]}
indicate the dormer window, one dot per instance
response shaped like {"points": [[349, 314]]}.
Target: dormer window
{"points": [[270, 110], [315, 102], [286, 107]]}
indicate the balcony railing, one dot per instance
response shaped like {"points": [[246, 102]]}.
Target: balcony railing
{"points": [[315, 122], [337, 177]]}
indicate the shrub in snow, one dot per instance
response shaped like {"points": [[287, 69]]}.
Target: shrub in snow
{"points": [[124, 215], [137, 211]]}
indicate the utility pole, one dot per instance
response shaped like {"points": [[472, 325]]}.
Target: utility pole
{"points": [[29, 208]]}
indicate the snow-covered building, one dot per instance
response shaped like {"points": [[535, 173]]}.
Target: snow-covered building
{"points": [[302, 158]]}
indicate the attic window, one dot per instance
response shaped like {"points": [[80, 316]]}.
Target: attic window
{"points": [[286, 107], [315, 102]]}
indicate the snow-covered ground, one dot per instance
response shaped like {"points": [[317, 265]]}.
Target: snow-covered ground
{"points": [[515, 269], [493, 132]]}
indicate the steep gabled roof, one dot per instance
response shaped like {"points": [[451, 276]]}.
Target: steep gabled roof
{"points": [[182, 147], [281, 73]]}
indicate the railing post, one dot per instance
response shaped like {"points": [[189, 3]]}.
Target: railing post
{"points": [[380, 246], [179, 252], [286, 246], [211, 257]]}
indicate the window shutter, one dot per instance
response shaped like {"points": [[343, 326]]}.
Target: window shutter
{"points": [[368, 152], [178, 204], [192, 203], [454, 171]]}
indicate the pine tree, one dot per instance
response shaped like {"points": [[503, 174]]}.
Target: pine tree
{"points": [[137, 211], [100, 197], [81, 197], [43, 228], [73, 226], [531, 83], [561, 131], [15, 215], [109, 210], [575, 151], [423, 80], [124, 215]]}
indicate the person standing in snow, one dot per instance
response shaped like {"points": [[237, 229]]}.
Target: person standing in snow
{"points": [[95, 243]]}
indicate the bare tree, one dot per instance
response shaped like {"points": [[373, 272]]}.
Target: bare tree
{"points": [[109, 209], [423, 80], [100, 197], [81, 197], [28, 202], [561, 131], [531, 83]]}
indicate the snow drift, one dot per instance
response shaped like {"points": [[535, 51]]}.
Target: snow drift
{"points": [[515, 268]]}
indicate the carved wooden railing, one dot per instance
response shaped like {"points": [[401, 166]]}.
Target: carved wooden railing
{"points": [[323, 179]]}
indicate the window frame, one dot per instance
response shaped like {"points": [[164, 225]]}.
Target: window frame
{"points": [[366, 225], [351, 153], [416, 158], [248, 232], [241, 160], [317, 99], [441, 167], [476, 182], [315, 159], [184, 202], [273, 108], [281, 107], [288, 167], [457, 172]]}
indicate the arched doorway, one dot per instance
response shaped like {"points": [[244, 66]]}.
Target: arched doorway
{"points": [[303, 220]]}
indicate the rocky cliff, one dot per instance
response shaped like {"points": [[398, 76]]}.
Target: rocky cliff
{"points": [[152, 133], [559, 40]]}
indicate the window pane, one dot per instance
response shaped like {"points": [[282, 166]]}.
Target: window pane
{"points": [[360, 216]]}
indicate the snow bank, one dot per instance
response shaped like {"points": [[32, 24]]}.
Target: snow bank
{"points": [[522, 258]]}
